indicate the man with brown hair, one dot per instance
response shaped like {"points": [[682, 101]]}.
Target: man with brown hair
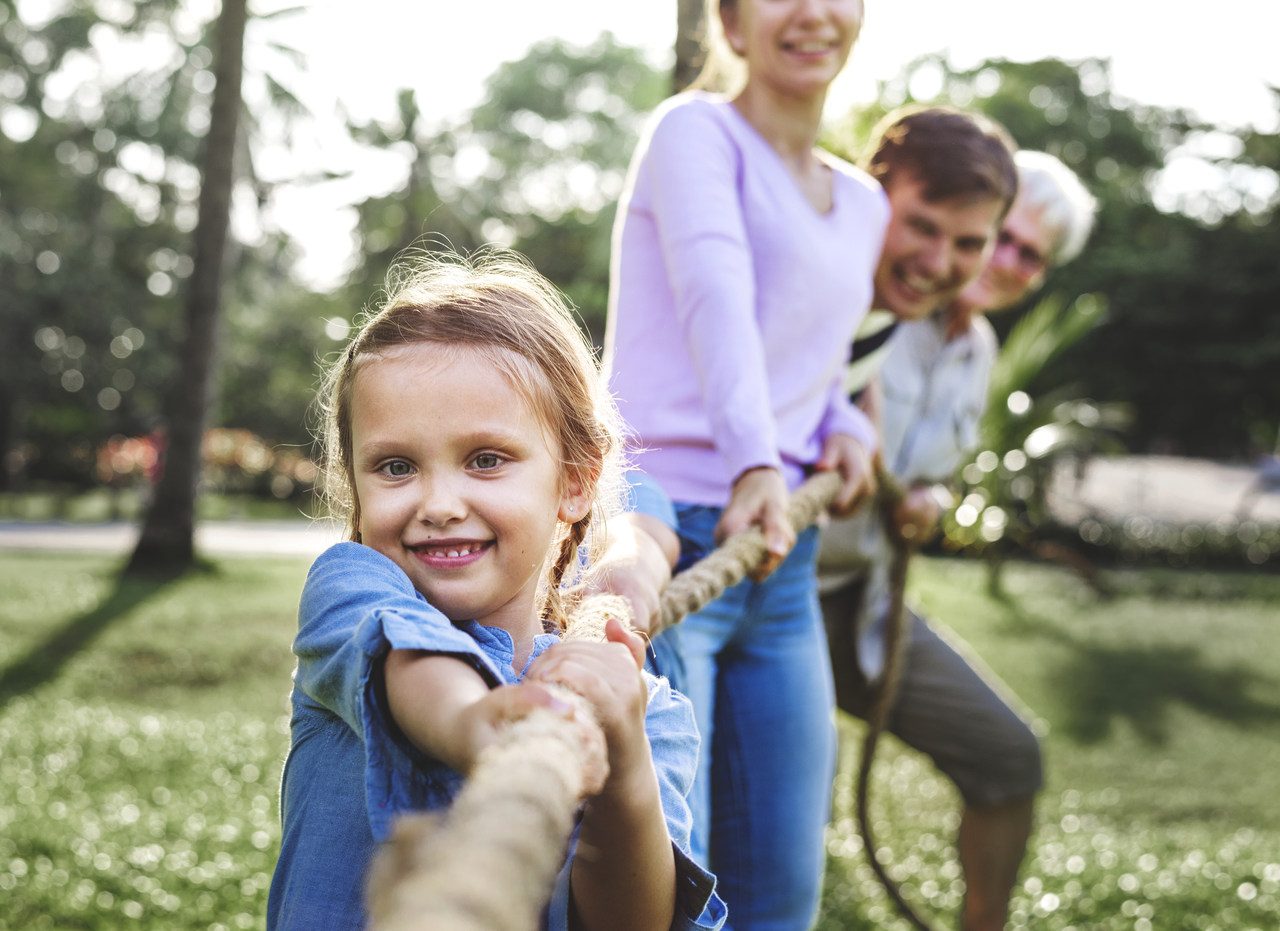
{"points": [[934, 378], [950, 180]]}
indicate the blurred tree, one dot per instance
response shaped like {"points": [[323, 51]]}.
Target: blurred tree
{"points": [[1183, 252], [89, 209], [690, 45], [1031, 425], [538, 167], [547, 153], [95, 240], [276, 334], [167, 542], [388, 224]]}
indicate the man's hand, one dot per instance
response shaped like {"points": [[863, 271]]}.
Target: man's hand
{"points": [[919, 513]]}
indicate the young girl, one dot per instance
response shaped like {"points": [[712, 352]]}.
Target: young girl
{"points": [[465, 439], [743, 263]]}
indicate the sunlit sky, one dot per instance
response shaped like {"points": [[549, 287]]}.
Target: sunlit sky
{"points": [[1213, 58]]}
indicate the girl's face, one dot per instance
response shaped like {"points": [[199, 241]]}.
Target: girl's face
{"points": [[796, 47], [1018, 263], [458, 482]]}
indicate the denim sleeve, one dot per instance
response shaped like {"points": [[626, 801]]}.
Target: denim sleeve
{"points": [[673, 737], [356, 606], [645, 496]]}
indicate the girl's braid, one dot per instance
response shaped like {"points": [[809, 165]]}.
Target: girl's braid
{"points": [[569, 544]]}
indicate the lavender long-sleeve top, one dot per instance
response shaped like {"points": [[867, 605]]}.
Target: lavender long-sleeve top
{"points": [[733, 302]]}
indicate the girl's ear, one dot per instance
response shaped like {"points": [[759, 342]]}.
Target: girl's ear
{"points": [[575, 501]]}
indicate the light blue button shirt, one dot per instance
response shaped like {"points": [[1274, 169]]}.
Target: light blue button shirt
{"points": [[350, 771]]}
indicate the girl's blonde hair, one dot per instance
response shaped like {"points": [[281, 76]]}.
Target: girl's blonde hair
{"points": [[493, 303]]}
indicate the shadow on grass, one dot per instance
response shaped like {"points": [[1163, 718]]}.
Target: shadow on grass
{"points": [[1105, 685], [1101, 685], [45, 661]]}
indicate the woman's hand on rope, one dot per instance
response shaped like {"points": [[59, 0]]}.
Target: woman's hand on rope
{"points": [[760, 498], [844, 453]]}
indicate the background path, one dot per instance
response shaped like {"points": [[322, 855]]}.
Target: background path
{"points": [[1168, 489], [1161, 488], [221, 537]]}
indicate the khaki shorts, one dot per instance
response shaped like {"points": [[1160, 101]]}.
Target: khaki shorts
{"points": [[961, 717]]}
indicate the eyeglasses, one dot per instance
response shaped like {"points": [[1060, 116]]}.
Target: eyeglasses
{"points": [[1030, 260]]}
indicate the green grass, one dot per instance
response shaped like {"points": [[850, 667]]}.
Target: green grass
{"points": [[142, 730], [106, 504], [1160, 715]]}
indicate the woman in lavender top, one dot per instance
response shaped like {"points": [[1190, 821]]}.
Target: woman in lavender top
{"points": [[742, 264]]}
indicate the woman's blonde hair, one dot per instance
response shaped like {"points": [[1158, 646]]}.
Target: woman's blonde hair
{"points": [[722, 70], [496, 304]]}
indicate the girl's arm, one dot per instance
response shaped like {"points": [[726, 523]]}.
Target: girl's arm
{"points": [[448, 711], [624, 874], [356, 606], [640, 554]]}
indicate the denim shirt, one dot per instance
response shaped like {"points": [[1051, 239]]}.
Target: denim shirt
{"points": [[350, 771]]}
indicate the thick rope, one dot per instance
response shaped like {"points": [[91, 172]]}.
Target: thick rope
{"points": [[729, 563], [490, 861], [889, 495]]}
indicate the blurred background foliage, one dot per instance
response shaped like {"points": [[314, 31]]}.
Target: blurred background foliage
{"points": [[1189, 341], [98, 192]]}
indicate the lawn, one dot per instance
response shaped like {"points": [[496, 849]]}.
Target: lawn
{"points": [[142, 730]]}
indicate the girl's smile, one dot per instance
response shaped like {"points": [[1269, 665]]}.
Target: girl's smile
{"points": [[458, 482], [448, 554]]}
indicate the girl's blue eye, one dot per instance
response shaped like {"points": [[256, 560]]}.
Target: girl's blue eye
{"points": [[396, 468], [486, 461]]}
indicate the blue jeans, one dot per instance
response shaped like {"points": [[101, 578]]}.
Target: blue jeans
{"points": [[754, 663]]}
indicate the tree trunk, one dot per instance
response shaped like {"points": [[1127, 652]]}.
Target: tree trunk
{"points": [[8, 433], [690, 48], [166, 545]]}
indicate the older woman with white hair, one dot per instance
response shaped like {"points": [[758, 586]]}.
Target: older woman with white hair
{"points": [[1047, 226]]}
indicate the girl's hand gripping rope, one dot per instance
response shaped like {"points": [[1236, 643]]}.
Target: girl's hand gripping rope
{"points": [[607, 676]]}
